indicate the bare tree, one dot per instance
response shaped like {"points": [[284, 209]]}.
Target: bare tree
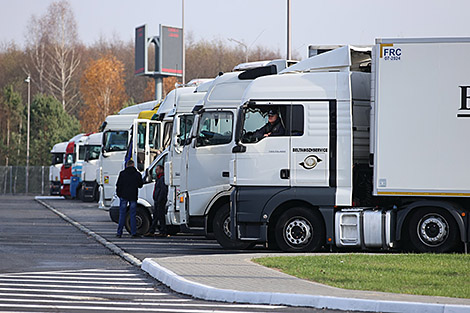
{"points": [[53, 40]]}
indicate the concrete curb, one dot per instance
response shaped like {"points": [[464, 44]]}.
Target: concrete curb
{"points": [[200, 291], [204, 292], [111, 246]]}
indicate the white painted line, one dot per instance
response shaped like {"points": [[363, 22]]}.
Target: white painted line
{"points": [[87, 272], [79, 276], [14, 280], [29, 295], [132, 302], [205, 292], [143, 294], [49, 198], [65, 307], [78, 287]]}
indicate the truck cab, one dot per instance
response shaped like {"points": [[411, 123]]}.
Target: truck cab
{"points": [[116, 129], [71, 156], [153, 135], [89, 181], [57, 160], [203, 198]]}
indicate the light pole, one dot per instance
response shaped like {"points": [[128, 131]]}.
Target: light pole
{"points": [[28, 80], [243, 45], [289, 39], [184, 48]]}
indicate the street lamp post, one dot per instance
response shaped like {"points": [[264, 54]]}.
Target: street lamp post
{"points": [[289, 39], [243, 45], [28, 80]]}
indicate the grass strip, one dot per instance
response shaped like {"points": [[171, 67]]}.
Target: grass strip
{"points": [[446, 275]]}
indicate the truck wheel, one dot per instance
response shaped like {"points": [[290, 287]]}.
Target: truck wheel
{"points": [[80, 194], [221, 228], [299, 230], [142, 219], [432, 230]]}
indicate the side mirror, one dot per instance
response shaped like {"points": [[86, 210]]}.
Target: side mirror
{"points": [[147, 177], [178, 126], [239, 149]]}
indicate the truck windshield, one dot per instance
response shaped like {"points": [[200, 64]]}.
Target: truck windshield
{"points": [[93, 152], [115, 141], [69, 159], [57, 158], [215, 128]]}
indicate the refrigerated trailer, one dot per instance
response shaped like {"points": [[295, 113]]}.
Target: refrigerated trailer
{"points": [[373, 155]]}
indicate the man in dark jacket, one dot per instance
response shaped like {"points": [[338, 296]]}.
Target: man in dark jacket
{"points": [[273, 127], [160, 195], [127, 187]]}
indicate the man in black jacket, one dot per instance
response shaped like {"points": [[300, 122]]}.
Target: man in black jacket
{"points": [[127, 187], [160, 195]]}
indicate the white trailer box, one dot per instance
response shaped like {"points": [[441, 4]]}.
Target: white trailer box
{"points": [[420, 139]]}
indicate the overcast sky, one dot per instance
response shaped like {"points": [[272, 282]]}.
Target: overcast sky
{"points": [[255, 22]]}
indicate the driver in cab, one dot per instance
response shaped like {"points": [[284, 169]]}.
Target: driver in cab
{"points": [[273, 127]]}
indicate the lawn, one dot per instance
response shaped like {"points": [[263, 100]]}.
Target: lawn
{"points": [[445, 275]]}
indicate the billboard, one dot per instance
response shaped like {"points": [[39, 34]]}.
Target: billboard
{"points": [[171, 51], [140, 59]]}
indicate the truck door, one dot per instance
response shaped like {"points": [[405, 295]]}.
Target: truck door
{"points": [[310, 133], [266, 159], [146, 142], [209, 157]]}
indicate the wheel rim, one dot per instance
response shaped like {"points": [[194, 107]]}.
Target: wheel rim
{"points": [[138, 221], [298, 232], [433, 230], [226, 227]]}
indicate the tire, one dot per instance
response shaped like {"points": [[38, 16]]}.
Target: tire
{"points": [[142, 218], [221, 228], [80, 194], [432, 230], [300, 230]]}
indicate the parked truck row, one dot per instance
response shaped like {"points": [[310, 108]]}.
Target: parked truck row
{"points": [[368, 153]]}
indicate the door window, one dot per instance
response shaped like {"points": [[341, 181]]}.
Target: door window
{"points": [[266, 121]]}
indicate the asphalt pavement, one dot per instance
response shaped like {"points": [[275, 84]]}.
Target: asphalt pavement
{"points": [[48, 265], [196, 266]]}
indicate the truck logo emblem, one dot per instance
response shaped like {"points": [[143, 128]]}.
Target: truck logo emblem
{"points": [[310, 162]]}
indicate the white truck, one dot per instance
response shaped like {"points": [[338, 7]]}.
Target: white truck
{"points": [[152, 137], [89, 181], [57, 160], [115, 138], [318, 186], [202, 199]]}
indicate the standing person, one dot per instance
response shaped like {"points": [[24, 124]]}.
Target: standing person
{"points": [[160, 195], [127, 187]]}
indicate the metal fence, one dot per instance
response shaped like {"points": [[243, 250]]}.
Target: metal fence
{"points": [[13, 180]]}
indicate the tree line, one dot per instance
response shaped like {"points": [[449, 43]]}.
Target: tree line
{"points": [[75, 86]]}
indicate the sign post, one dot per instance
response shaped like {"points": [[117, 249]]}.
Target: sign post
{"points": [[168, 54]]}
